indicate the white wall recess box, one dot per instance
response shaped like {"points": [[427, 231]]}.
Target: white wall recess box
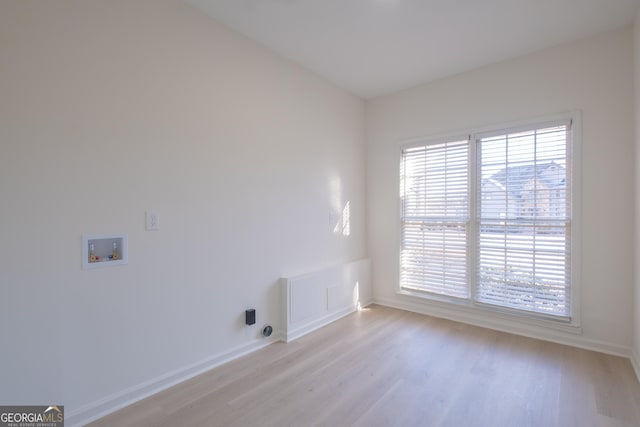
{"points": [[105, 250]]}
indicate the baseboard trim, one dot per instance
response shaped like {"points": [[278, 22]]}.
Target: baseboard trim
{"points": [[366, 303], [119, 400], [635, 362], [510, 326], [317, 324]]}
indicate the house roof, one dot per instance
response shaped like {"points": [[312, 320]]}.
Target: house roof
{"points": [[514, 178]]}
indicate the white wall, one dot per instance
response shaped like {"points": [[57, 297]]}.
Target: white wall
{"points": [[110, 108], [592, 75], [636, 71]]}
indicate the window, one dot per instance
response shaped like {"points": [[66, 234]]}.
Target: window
{"points": [[487, 218], [435, 219]]}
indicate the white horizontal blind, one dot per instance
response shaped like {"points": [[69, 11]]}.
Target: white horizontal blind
{"points": [[523, 215], [435, 218]]}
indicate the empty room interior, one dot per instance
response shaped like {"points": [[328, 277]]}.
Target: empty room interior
{"points": [[298, 212]]}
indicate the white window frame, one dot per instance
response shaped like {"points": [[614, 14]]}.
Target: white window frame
{"points": [[470, 306]]}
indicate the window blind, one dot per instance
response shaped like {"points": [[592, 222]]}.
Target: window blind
{"points": [[523, 193], [488, 219], [435, 218]]}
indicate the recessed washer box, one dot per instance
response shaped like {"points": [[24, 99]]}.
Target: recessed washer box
{"points": [[104, 250]]}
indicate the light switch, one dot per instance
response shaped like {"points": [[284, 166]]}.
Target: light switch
{"points": [[153, 221]]}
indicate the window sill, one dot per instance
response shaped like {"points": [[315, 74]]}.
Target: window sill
{"points": [[507, 320]]}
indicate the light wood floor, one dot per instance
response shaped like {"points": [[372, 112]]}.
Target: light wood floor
{"points": [[386, 367]]}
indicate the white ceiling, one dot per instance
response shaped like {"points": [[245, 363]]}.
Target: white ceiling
{"points": [[375, 47]]}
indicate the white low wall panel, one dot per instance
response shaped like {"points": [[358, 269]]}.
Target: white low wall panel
{"points": [[316, 299]]}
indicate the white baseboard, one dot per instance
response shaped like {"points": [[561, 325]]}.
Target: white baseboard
{"points": [[367, 302], [635, 362], [296, 333], [319, 323], [119, 400], [503, 324]]}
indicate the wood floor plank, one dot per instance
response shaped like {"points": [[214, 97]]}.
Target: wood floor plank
{"points": [[388, 367]]}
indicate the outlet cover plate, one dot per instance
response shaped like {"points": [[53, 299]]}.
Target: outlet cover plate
{"points": [[152, 222]]}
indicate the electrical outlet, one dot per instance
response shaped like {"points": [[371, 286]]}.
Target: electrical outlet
{"points": [[152, 221]]}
